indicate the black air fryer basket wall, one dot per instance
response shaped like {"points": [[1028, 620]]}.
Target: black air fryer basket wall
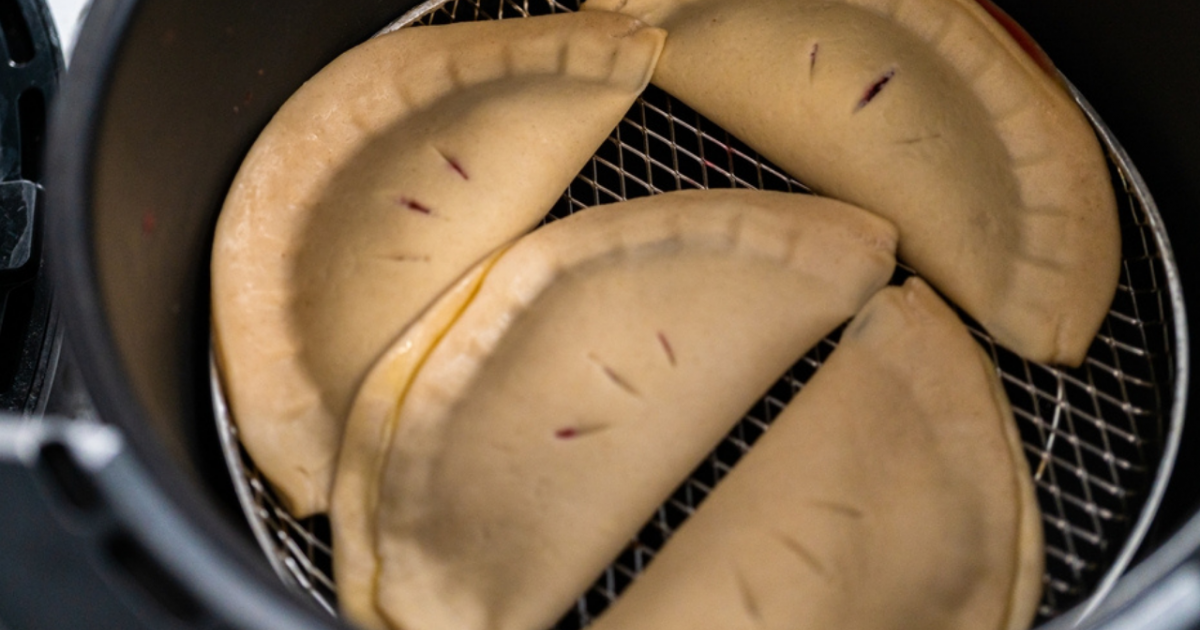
{"points": [[165, 97]]}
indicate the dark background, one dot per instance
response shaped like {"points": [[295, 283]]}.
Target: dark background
{"points": [[1138, 64]]}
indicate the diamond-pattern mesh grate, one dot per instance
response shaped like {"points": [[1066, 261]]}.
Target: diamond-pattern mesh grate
{"points": [[1093, 435]]}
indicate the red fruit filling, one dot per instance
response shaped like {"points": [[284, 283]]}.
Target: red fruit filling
{"points": [[875, 89], [414, 205], [457, 168]]}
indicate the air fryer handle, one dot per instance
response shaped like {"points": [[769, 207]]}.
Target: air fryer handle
{"points": [[89, 540], [1170, 603], [70, 562]]}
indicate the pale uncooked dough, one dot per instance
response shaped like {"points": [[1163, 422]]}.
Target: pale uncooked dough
{"points": [[489, 476], [891, 494], [378, 184], [929, 113]]}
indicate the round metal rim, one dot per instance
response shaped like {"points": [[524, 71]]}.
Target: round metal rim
{"points": [[1174, 434], [1078, 614]]}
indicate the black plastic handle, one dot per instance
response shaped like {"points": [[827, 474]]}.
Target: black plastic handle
{"points": [[65, 552], [88, 540]]}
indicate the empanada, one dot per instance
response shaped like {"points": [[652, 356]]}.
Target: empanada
{"points": [[929, 113], [892, 493], [603, 356], [378, 184]]}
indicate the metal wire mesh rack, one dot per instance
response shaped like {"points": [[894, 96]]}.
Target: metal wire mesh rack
{"points": [[1099, 439]]}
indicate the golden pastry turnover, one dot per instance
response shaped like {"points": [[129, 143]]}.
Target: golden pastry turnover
{"points": [[515, 438], [931, 114], [375, 187], [891, 494]]}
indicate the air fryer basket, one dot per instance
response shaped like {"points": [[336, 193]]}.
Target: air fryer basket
{"points": [[1100, 439], [165, 97]]}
